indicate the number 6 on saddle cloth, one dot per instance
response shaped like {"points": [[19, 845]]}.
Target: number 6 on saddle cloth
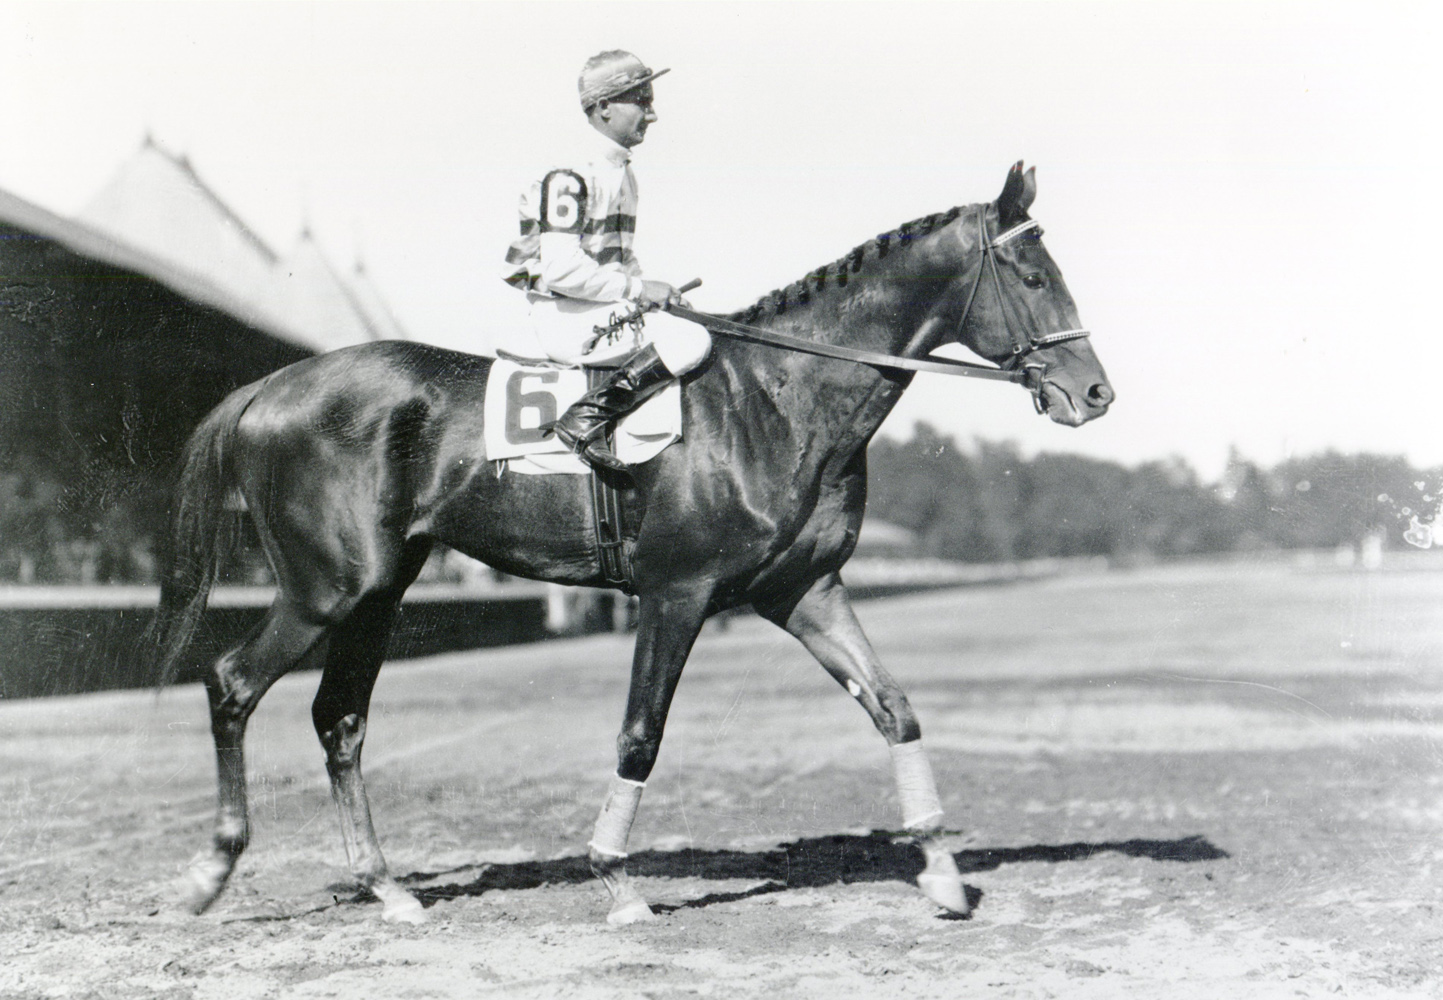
{"points": [[522, 396]]}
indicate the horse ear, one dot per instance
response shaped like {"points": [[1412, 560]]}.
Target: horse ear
{"points": [[1017, 195]]}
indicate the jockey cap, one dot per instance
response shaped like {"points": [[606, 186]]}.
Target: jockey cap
{"points": [[610, 74]]}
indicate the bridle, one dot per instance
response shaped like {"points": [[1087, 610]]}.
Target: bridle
{"points": [[1023, 344], [1014, 369]]}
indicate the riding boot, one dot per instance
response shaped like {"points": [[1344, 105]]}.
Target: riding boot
{"points": [[583, 426]]}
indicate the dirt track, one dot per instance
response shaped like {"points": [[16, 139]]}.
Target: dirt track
{"points": [[1186, 782]]}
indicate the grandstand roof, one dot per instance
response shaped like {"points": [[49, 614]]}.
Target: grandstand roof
{"points": [[158, 204], [96, 245], [374, 306], [314, 297]]}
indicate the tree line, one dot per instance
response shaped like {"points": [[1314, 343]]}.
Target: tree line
{"points": [[988, 503], [984, 502]]}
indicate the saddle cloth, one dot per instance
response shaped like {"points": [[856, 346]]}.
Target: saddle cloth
{"points": [[521, 398]]}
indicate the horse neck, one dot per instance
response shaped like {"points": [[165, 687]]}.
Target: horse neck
{"points": [[895, 305]]}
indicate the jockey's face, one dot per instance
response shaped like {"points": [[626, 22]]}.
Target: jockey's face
{"points": [[625, 118]]}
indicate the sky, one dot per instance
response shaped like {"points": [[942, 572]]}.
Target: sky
{"points": [[1243, 197]]}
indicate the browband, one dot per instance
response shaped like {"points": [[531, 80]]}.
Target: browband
{"points": [[1015, 230]]}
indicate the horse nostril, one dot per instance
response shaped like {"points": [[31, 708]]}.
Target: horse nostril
{"points": [[1100, 394]]}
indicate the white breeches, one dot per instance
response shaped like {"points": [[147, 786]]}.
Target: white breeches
{"points": [[565, 327]]}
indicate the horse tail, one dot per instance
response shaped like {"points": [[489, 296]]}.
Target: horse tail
{"points": [[203, 530]]}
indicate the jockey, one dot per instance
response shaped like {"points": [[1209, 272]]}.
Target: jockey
{"points": [[575, 262]]}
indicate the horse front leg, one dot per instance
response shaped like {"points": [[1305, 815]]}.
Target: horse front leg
{"points": [[823, 619], [666, 628]]}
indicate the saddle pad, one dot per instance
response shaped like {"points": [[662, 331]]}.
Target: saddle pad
{"points": [[520, 399]]}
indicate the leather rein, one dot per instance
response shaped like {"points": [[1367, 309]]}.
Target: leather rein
{"points": [[1014, 369]]}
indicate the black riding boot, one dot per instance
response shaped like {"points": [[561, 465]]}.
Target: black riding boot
{"points": [[583, 426]]}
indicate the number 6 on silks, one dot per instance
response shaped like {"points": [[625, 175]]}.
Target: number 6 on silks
{"points": [[563, 192]]}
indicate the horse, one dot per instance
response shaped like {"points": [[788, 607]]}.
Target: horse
{"points": [[354, 464]]}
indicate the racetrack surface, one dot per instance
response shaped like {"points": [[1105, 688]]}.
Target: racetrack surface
{"points": [[1195, 781]]}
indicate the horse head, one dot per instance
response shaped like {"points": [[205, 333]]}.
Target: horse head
{"points": [[1018, 312]]}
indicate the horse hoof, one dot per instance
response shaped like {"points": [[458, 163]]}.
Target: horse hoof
{"points": [[400, 907], [946, 891], [404, 913], [634, 912], [200, 886], [194, 899]]}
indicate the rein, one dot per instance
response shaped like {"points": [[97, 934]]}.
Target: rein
{"points": [[755, 334], [1013, 370]]}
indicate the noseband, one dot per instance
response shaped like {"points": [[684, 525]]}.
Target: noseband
{"points": [[1023, 344]]}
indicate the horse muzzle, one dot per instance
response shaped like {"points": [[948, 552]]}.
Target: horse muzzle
{"points": [[1073, 406]]}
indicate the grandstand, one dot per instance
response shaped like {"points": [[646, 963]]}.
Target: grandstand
{"points": [[119, 329]]}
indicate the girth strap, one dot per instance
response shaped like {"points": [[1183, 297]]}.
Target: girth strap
{"points": [[611, 549]]}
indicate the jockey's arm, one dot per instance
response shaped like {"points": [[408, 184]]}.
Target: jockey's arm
{"points": [[561, 205], [567, 269]]}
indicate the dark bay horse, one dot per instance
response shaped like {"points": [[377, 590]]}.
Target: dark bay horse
{"points": [[354, 464]]}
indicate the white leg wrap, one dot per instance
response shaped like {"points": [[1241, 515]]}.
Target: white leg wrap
{"points": [[915, 785], [613, 826]]}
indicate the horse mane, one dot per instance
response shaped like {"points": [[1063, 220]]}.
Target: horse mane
{"points": [[836, 274]]}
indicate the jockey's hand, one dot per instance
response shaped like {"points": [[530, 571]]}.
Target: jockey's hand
{"points": [[660, 294]]}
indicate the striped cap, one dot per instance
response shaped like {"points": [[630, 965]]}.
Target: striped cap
{"points": [[608, 74]]}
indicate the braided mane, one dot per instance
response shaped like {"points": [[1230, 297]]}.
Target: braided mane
{"points": [[800, 292]]}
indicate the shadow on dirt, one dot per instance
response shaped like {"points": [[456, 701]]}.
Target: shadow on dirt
{"points": [[812, 862]]}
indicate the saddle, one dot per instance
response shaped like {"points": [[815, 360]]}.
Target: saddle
{"points": [[525, 394]]}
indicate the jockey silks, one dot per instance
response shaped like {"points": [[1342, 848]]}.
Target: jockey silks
{"points": [[574, 260], [577, 226]]}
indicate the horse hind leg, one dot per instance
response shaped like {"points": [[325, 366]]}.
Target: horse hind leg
{"points": [[235, 685], [356, 650], [824, 622]]}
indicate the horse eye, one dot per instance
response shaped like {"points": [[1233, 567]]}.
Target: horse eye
{"points": [[1034, 280]]}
